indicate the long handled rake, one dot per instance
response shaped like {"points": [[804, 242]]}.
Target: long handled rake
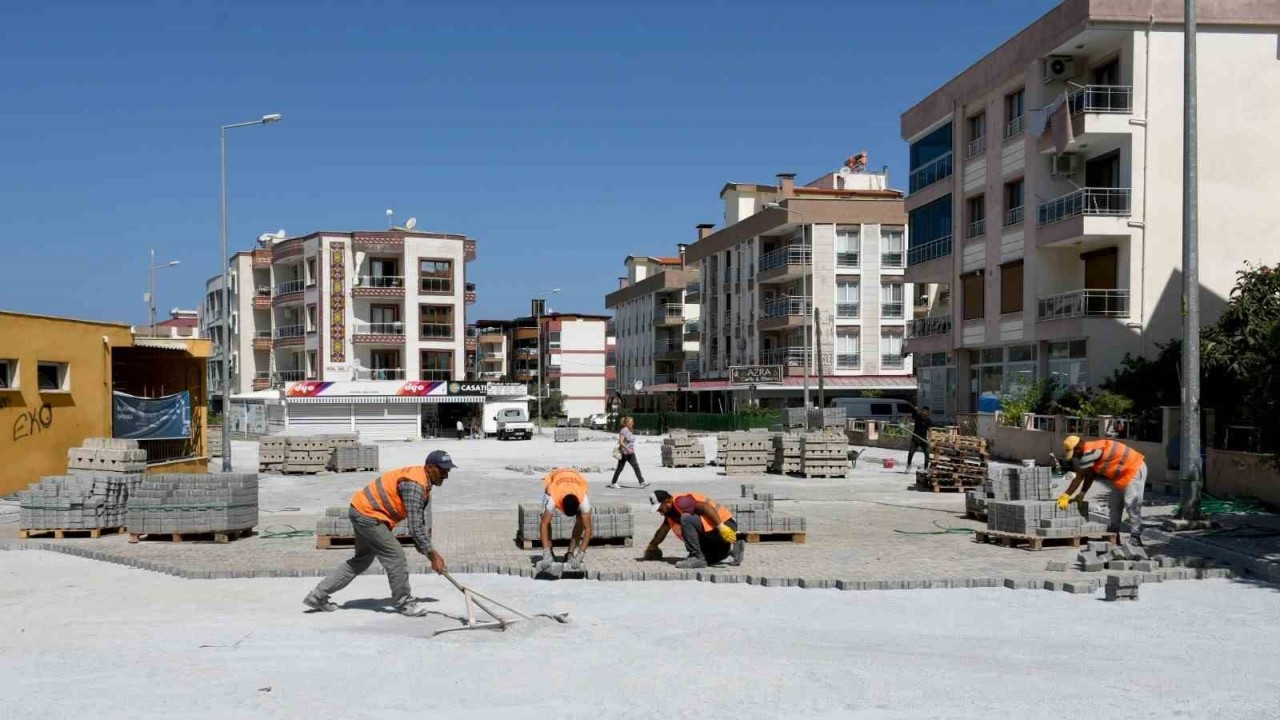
{"points": [[479, 600]]}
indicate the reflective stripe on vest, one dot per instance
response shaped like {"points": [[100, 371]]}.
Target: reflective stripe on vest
{"points": [[723, 512], [563, 482], [1118, 464], [381, 500]]}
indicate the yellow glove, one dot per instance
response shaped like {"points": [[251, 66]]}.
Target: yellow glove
{"points": [[727, 533], [1064, 500]]}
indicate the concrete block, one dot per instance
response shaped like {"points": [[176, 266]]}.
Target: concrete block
{"points": [[1078, 587], [1057, 566]]}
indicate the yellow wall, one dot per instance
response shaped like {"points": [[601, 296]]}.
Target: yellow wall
{"points": [[37, 428]]}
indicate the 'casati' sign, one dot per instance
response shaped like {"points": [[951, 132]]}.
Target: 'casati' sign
{"points": [[465, 388], [755, 375]]}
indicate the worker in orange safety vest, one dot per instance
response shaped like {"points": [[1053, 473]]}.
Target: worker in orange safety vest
{"points": [[707, 528], [1114, 464], [565, 489]]}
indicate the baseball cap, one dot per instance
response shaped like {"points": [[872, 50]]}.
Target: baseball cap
{"points": [[441, 459]]}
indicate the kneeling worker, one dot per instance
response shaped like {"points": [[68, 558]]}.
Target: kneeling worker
{"points": [[565, 489], [1116, 465], [707, 528], [376, 509]]}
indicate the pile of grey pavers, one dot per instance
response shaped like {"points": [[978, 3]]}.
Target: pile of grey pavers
{"points": [[194, 504], [1099, 555], [567, 434], [356, 457], [1021, 501], [975, 503], [1122, 587], [743, 453], [609, 521], [795, 417], [336, 523], [76, 502], [828, 419], [786, 454], [106, 455], [754, 513], [682, 450], [306, 455], [293, 454], [824, 454], [1021, 483]]}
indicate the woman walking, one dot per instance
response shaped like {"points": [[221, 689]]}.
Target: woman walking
{"points": [[626, 453]]}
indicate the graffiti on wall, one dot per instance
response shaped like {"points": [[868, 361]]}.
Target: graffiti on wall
{"points": [[32, 422], [337, 302]]}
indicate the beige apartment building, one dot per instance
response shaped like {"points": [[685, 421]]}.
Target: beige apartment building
{"points": [[656, 321], [568, 352], [1045, 196]]}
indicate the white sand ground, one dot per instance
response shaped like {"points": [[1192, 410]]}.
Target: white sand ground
{"points": [[85, 639]]}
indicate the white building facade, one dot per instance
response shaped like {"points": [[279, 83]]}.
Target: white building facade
{"points": [[657, 321]]}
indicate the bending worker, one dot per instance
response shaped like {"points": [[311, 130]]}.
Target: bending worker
{"points": [[1116, 465], [708, 530], [398, 495], [565, 489]]}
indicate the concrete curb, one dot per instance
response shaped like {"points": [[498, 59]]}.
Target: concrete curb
{"points": [[1262, 569]]}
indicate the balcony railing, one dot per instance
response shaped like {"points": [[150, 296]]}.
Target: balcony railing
{"points": [[435, 285], [381, 281], [848, 259], [669, 311], [927, 326], [435, 331], [1084, 303], [848, 361], [360, 327], [491, 375], [380, 374], [285, 332], [1110, 202], [795, 356], [790, 255], [846, 311], [892, 361], [931, 250], [976, 146], [286, 376], [435, 374], [931, 172], [787, 306], [1015, 126], [693, 327], [668, 347], [892, 310], [1101, 99], [977, 228], [288, 287], [1013, 216], [891, 259], [693, 288]]}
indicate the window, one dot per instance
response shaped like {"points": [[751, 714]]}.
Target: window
{"points": [[891, 350], [848, 350], [891, 301], [986, 372], [436, 365], [1013, 202], [891, 254], [927, 224], [848, 245], [311, 272], [848, 299], [51, 376], [436, 322], [1011, 287], [1013, 113], [976, 210], [1068, 364], [882, 409], [973, 290], [553, 339], [311, 318], [930, 159], [1020, 372], [311, 363], [977, 134], [435, 276], [8, 374]]}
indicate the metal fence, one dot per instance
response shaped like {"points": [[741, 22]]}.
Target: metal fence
{"points": [[1083, 303], [1112, 202], [931, 250], [790, 255]]}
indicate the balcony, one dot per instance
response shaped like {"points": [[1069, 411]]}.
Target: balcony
{"points": [[848, 260], [794, 358], [848, 311], [977, 146], [892, 361], [262, 340], [468, 251], [435, 331], [977, 228], [380, 374], [261, 380], [848, 361], [290, 290], [693, 292], [1013, 216], [491, 355], [261, 259], [786, 263], [379, 333], [469, 295], [929, 326], [931, 172], [785, 312], [1095, 110], [280, 377], [669, 314], [693, 329], [892, 310], [262, 298], [1085, 201], [1015, 126], [379, 286], [932, 250], [1083, 304], [668, 351], [289, 333], [491, 376]]}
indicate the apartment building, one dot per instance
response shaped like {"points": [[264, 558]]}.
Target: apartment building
{"points": [[343, 306], [1045, 203], [837, 244], [656, 320], [574, 353]]}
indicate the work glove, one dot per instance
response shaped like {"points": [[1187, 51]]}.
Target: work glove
{"points": [[653, 553], [1064, 501], [727, 534], [577, 560], [548, 558]]}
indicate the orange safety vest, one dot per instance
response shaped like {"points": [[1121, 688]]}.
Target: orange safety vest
{"points": [[381, 500], [722, 511], [1118, 464], [562, 482]]}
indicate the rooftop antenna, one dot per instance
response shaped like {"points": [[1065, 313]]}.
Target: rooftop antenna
{"points": [[390, 213], [411, 223]]}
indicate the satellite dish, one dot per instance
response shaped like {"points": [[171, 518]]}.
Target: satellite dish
{"points": [[280, 234], [638, 385], [411, 223]]}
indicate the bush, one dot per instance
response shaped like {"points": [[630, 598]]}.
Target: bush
{"points": [[1023, 399]]}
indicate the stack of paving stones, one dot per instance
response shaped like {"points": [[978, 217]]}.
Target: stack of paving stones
{"points": [[975, 503], [829, 419], [756, 515], [358, 457], [1120, 587], [566, 434], [336, 523], [76, 502], [786, 454], [106, 455], [795, 417], [955, 460], [743, 453], [1101, 555], [194, 504], [824, 455], [609, 521], [271, 451], [682, 450], [1040, 518]]}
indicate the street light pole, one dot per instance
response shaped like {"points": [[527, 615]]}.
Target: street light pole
{"points": [[1190, 461], [538, 306], [225, 358], [151, 285]]}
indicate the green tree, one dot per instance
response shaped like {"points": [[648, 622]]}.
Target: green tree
{"points": [[1241, 355]]}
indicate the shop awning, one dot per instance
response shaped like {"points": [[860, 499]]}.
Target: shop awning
{"points": [[387, 399], [789, 384]]}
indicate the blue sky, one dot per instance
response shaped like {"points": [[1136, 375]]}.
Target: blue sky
{"points": [[562, 135]]}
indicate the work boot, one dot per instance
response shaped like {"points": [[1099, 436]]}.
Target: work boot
{"points": [[691, 563], [315, 602], [736, 551], [411, 608]]}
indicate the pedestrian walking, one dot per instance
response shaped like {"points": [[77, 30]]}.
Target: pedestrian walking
{"points": [[625, 452], [462, 430]]}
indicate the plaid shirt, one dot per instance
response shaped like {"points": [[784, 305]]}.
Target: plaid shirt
{"points": [[417, 505]]}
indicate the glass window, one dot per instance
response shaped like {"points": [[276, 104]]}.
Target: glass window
{"points": [[1011, 287], [931, 222], [7, 379], [882, 409], [848, 292], [436, 322], [311, 318], [1022, 353], [436, 364], [848, 245], [1013, 200], [891, 240], [51, 375], [931, 146], [553, 339], [435, 276]]}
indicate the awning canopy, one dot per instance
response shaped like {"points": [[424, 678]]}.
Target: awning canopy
{"points": [[160, 343], [790, 384], [387, 399]]}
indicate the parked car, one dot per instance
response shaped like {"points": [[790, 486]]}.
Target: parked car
{"points": [[514, 422], [881, 409], [598, 421]]}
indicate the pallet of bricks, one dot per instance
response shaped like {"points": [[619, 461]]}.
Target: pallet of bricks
{"points": [[1022, 511], [824, 455], [334, 530], [611, 524], [271, 452], [956, 462], [794, 418], [566, 434], [75, 505], [786, 454], [106, 455], [306, 455], [356, 457], [743, 453], [682, 450], [758, 522], [827, 419], [222, 507]]}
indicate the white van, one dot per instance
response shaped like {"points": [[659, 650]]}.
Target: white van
{"points": [[873, 408]]}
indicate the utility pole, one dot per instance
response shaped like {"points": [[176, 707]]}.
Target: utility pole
{"points": [[817, 337], [1192, 482], [807, 258]]}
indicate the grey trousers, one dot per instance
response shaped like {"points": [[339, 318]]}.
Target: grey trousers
{"points": [[373, 540], [702, 544], [1130, 498]]}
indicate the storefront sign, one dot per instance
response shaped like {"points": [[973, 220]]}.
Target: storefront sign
{"points": [[468, 388], [755, 375]]}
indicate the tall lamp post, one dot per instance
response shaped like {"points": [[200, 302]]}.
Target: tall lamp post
{"points": [[539, 304], [808, 323], [1190, 468], [151, 288], [226, 292]]}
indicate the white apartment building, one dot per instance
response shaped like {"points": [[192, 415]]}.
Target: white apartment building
{"points": [[1045, 196], [656, 321], [837, 243], [574, 355], [343, 306]]}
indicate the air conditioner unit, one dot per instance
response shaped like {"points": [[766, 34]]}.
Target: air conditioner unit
{"points": [[1064, 165], [1058, 68]]}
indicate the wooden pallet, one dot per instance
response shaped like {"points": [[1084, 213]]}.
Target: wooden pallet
{"points": [[330, 542], [530, 544], [940, 487], [974, 515], [1035, 542], [752, 536], [832, 474], [64, 533], [220, 538]]}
